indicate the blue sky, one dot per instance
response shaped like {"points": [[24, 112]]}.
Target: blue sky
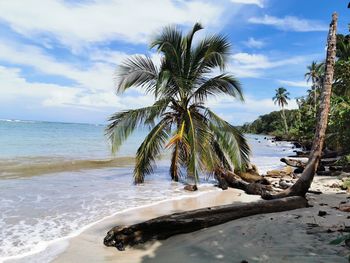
{"points": [[57, 58]]}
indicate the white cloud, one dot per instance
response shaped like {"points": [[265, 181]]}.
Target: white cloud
{"points": [[15, 87], [253, 65], [99, 76], [254, 43], [290, 23], [259, 3], [87, 22], [301, 84]]}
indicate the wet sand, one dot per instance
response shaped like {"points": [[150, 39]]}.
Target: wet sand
{"points": [[279, 237]]}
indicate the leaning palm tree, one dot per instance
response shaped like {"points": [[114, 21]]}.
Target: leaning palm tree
{"points": [[315, 73], [201, 141], [281, 98], [303, 184]]}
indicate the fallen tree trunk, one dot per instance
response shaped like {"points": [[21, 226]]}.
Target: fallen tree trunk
{"points": [[185, 222]]}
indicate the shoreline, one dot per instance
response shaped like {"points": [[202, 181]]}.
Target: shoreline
{"points": [[86, 243], [93, 236], [59, 242], [296, 224], [46, 249]]}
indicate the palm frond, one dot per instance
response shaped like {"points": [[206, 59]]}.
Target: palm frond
{"points": [[169, 44], [231, 141], [123, 123], [187, 47], [212, 52], [150, 150], [219, 85], [137, 71]]}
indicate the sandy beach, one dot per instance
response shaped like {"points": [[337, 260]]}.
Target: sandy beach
{"points": [[294, 236]]}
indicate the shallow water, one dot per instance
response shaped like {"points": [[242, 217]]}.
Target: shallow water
{"points": [[56, 178]]}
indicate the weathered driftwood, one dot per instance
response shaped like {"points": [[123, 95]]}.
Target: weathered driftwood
{"points": [[294, 162], [166, 226], [286, 171], [262, 186], [301, 163], [325, 154]]}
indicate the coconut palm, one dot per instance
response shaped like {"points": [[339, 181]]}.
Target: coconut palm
{"points": [[281, 98], [304, 182], [200, 140], [315, 74]]}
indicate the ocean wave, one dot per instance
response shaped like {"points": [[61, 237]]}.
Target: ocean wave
{"points": [[14, 120], [36, 239]]}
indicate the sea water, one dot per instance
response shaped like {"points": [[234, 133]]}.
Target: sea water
{"points": [[55, 181]]}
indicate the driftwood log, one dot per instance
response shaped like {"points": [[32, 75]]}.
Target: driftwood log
{"points": [[166, 226], [294, 162], [226, 179], [300, 163]]}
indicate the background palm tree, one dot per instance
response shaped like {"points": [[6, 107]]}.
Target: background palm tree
{"points": [[200, 140], [281, 98], [315, 73]]}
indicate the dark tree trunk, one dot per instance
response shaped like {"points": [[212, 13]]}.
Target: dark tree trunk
{"points": [[185, 222], [303, 184]]}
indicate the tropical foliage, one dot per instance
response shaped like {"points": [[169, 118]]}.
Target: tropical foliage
{"points": [[200, 141], [302, 121]]}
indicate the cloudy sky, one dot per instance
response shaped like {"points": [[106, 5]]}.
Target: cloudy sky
{"points": [[57, 57]]}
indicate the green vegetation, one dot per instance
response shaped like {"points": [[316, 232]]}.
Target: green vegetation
{"points": [[200, 140], [302, 121], [281, 98]]}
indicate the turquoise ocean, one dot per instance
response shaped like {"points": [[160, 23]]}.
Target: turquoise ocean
{"points": [[56, 179]]}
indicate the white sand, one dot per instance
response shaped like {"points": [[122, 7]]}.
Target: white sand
{"points": [[277, 237]]}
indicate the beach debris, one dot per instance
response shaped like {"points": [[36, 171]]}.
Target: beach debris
{"points": [[258, 185], [284, 184], [163, 227], [322, 213], [316, 192], [339, 240], [294, 162], [286, 171], [191, 188], [334, 185], [344, 207]]}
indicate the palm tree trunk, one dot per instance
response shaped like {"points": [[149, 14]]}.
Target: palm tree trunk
{"points": [[315, 100], [285, 120], [303, 184]]}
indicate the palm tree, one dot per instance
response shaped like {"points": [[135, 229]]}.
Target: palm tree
{"points": [[303, 184], [315, 73], [200, 140], [281, 98]]}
